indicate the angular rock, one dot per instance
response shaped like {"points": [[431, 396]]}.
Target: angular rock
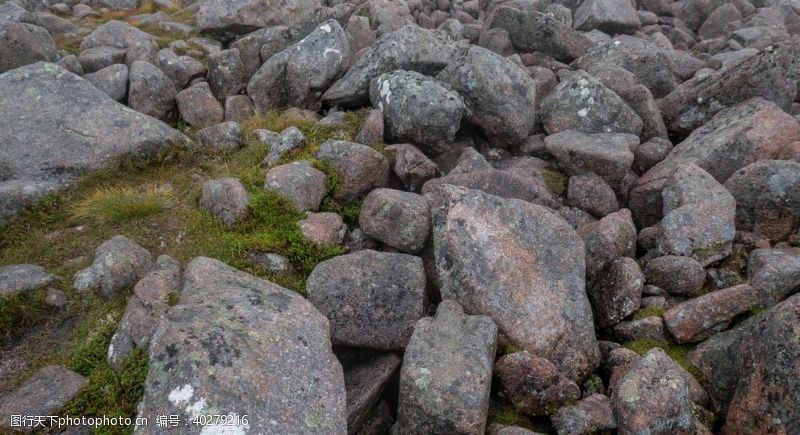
{"points": [[138, 45], [262, 343], [534, 384], [653, 396], [44, 393], [609, 16], [767, 195], [372, 130], [223, 136], [361, 168], [273, 263], [606, 240], [118, 264], [228, 18], [239, 108], [696, 101], [151, 91], [226, 73], [447, 373], [181, 69], [324, 228], [591, 193], [650, 153], [533, 31], [17, 278], [617, 293], [399, 219], [416, 108], [591, 414], [648, 328], [258, 46], [749, 370], [373, 299], [500, 96], [679, 276], [281, 144], [97, 58], [300, 182], [410, 48], [470, 228], [411, 165], [605, 154], [500, 183], [774, 273], [698, 318], [226, 199], [698, 216], [582, 103], [364, 384], [23, 44], [112, 80], [198, 107], [298, 75]]}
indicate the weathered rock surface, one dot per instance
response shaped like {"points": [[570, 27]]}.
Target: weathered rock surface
{"points": [[22, 44], [324, 228], [470, 231], [226, 199], [362, 168], [65, 129], [447, 373], [534, 384], [774, 273], [399, 219], [591, 414], [605, 154], [373, 299], [118, 264], [606, 240], [698, 318], [617, 292], [300, 182], [43, 394], [682, 276], [364, 384], [138, 44], [17, 278], [609, 16], [262, 343]]}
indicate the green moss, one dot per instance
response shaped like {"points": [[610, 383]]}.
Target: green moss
{"points": [[502, 412], [513, 348], [648, 312], [333, 177], [678, 352], [21, 310], [173, 298], [348, 212], [555, 181]]}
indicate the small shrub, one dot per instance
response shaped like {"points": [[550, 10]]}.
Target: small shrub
{"points": [[122, 203]]}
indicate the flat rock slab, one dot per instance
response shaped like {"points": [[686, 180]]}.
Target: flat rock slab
{"points": [[239, 345], [44, 393], [17, 278], [58, 126]]}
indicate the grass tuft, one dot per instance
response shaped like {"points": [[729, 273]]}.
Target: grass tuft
{"points": [[642, 313], [555, 181], [678, 352], [122, 203], [21, 310]]}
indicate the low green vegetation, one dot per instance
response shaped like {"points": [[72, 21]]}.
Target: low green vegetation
{"points": [[555, 181], [122, 203], [678, 352], [642, 313], [22, 310], [503, 412]]}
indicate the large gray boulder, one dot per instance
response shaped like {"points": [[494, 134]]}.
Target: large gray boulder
{"points": [[373, 299], [417, 108], [138, 44], [23, 44], [750, 371], [237, 345], [228, 18], [298, 75], [43, 394], [18, 278], [447, 373], [65, 128], [410, 48], [150, 91], [496, 257], [500, 95], [118, 264], [606, 154], [609, 16]]}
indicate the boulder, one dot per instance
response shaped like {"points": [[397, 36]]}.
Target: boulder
{"points": [[591, 193], [364, 384], [767, 195], [581, 102], [226, 199], [324, 228], [699, 318], [399, 219], [361, 168], [592, 414], [697, 100], [223, 136], [411, 165], [118, 264], [18, 278], [535, 290], [534, 384], [678, 276], [181, 69], [416, 108], [151, 91], [112, 80], [138, 45], [499, 183], [23, 44], [280, 144], [198, 107], [654, 396], [749, 371], [500, 96], [447, 373], [66, 128], [43, 394], [606, 240], [774, 273], [409, 48], [301, 183], [609, 16], [372, 299], [534, 31], [298, 75], [258, 46], [226, 73], [262, 343], [606, 154], [617, 292], [753, 130], [96, 58], [373, 129]]}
